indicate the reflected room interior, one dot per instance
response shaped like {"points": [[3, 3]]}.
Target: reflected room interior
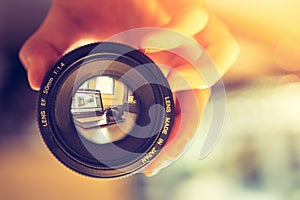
{"points": [[257, 156], [104, 109]]}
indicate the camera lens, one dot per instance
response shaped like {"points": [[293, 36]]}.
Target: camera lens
{"points": [[105, 110]]}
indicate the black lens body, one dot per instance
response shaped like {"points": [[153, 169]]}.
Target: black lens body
{"points": [[153, 107]]}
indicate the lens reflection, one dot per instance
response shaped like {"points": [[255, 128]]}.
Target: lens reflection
{"points": [[104, 109]]}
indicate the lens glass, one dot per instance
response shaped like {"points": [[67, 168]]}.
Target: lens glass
{"points": [[104, 109]]}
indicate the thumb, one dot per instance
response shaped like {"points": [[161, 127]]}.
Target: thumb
{"points": [[47, 45], [187, 21]]}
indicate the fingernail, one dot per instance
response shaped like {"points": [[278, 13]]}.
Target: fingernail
{"points": [[161, 41], [179, 150], [33, 86], [177, 82], [150, 174], [34, 78], [27, 63], [149, 46]]}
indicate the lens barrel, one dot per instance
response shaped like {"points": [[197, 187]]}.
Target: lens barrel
{"points": [[105, 110]]}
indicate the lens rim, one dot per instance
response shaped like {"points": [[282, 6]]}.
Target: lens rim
{"points": [[47, 107]]}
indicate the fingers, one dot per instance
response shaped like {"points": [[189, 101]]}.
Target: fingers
{"points": [[189, 108], [186, 77], [47, 44], [219, 44], [187, 21], [221, 51], [208, 54]]}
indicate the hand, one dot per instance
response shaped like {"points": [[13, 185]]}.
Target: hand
{"points": [[70, 21]]}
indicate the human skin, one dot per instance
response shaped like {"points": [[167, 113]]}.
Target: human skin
{"points": [[71, 21]]}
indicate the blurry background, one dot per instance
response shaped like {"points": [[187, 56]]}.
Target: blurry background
{"points": [[257, 157]]}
